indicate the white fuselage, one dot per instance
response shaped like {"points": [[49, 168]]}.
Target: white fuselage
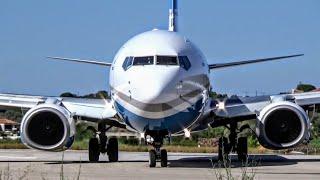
{"points": [[159, 80]]}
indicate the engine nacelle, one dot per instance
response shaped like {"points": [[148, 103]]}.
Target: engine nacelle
{"points": [[48, 127], [282, 125]]}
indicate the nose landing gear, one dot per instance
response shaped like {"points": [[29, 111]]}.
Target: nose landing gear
{"points": [[157, 154], [155, 139]]}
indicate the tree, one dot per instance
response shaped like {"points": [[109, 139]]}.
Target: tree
{"points": [[215, 95], [103, 94], [98, 95], [68, 94], [12, 115], [316, 126], [305, 87]]}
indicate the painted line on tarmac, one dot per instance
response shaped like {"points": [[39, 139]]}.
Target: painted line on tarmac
{"points": [[16, 157]]}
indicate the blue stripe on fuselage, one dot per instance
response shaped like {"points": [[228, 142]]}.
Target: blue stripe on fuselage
{"points": [[174, 123]]}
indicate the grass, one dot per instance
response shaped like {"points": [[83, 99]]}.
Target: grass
{"points": [[315, 143], [223, 170], [83, 145], [11, 144], [80, 145]]}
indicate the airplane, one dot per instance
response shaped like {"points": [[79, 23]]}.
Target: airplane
{"points": [[159, 83]]}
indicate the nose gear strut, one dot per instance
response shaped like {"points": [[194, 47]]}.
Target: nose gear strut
{"points": [[155, 139]]}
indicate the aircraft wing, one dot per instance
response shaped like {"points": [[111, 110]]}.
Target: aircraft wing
{"points": [[13, 101], [94, 110], [244, 62], [223, 111]]}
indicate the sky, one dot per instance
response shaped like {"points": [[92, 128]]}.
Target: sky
{"points": [[224, 30]]}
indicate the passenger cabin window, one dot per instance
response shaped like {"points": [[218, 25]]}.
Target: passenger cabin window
{"points": [[184, 62], [167, 60], [127, 63], [141, 61]]}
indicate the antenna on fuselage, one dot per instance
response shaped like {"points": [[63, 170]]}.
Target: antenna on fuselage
{"points": [[173, 16]]}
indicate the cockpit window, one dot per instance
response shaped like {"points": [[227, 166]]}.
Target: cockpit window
{"points": [[127, 63], [184, 62], [167, 60], [141, 61]]}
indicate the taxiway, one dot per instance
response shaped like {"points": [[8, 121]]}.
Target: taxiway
{"points": [[32, 164]]}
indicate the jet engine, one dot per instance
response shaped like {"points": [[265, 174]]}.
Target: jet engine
{"points": [[48, 127], [282, 125]]}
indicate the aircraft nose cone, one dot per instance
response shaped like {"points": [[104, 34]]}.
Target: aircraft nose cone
{"points": [[153, 91], [155, 86]]}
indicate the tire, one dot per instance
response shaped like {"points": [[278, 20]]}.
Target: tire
{"points": [[223, 149], [152, 158], [94, 150], [164, 158], [113, 150], [242, 149]]}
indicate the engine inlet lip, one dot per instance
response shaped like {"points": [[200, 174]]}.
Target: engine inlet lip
{"points": [[301, 119], [27, 140]]}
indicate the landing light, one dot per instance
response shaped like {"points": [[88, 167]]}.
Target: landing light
{"points": [[221, 105], [149, 139], [187, 133], [142, 135], [179, 86]]}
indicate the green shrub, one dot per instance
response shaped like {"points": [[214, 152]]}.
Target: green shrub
{"points": [[129, 141], [315, 143], [253, 141]]}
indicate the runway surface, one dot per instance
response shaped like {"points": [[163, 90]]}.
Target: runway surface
{"points": [[32, 164]]}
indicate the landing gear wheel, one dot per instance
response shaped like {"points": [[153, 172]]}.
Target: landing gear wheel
{"points": [[242, 149], [223, 149], [112, 150], [152, 158], [164, 158], [94, 150]]}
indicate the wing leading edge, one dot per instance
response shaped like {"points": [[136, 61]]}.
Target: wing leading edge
{"points": [[82, 61], [95, 110], [238, 63], [241, 108]]}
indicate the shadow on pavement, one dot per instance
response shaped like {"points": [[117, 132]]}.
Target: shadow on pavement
{"points": [[254, 161], [88, 162]]}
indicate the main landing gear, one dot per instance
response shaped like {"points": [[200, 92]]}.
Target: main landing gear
{"points": [[155, 139], [233, 144], [100, 144]]}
